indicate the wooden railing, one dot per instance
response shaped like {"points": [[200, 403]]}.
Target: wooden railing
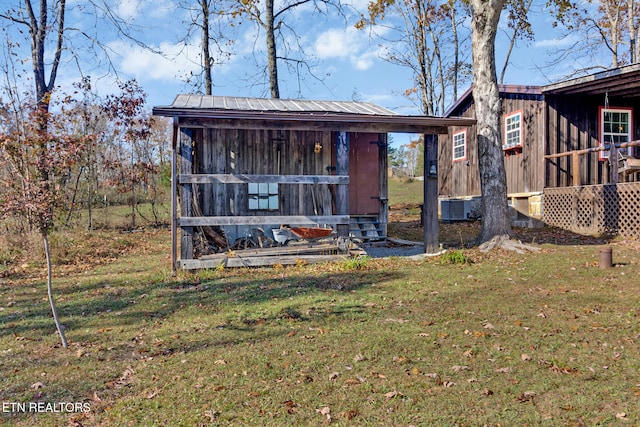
{"points": [[575, 159]]}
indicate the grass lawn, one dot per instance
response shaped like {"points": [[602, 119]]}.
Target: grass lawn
{"points": [[541, 339]]}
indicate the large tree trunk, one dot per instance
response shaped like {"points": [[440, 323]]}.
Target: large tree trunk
{"points": [[493, 180]]}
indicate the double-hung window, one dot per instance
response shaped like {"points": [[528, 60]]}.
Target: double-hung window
{"points": [[512, 131], [615, 128], [460, 146]]}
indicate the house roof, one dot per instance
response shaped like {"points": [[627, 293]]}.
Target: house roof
{"points": [[513, 90], [621, 81], [240, 112]]}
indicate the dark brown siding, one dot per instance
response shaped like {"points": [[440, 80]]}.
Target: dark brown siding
{"points": [[573, 125], [524, 168]]}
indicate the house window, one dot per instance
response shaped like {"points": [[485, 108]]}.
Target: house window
{"points": [[263, 196], [512, 131], [460, 146], [615, 127]]}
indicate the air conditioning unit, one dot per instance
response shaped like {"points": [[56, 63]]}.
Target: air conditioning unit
{"points": [[455, 210]]}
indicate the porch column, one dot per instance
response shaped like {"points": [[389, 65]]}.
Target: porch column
{"points": [[383, 180], [342, 192], [185, 152], [174, 195], [430, 210]]}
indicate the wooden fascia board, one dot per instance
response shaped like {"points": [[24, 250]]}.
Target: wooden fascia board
{"points": [[345, 123]]}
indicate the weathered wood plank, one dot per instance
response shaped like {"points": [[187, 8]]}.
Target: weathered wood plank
{"points": [[186, 222], [236, 262], [246, 178], [342, 168], [186, 192]]}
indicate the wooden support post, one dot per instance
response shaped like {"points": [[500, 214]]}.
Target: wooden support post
{"points": [[342, 192], [613, 164], [575, 168], [174, 196], [383, 180], [430, 210], [186, 192]]}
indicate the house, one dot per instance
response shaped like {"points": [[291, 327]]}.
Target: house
{"points": [[554, 136], [243, 168]]}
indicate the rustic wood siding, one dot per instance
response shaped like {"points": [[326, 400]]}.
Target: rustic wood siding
{"points": [[573, 125], [524, 168], [263, 152]]}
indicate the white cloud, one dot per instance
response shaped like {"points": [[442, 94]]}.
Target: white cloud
{"points": [[177, 60], [557, 43], [350, 44]]}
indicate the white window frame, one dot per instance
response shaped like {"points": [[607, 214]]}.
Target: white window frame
{"points": [[510, 129], [456, 137], [605, 137]]}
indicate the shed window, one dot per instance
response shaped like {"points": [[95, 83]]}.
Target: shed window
{"points": [[460, 146], [513, 131], [263, 196], [615, 127]]}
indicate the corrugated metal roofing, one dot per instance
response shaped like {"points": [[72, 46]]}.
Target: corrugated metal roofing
{"points": [[234, 103]]}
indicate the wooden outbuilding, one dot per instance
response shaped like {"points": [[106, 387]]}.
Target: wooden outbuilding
{"points": [[245, 168], [554, 137]]}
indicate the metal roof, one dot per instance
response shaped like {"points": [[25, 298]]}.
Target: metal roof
{"points": [[241, 112], [236, 103], [622, 81]]}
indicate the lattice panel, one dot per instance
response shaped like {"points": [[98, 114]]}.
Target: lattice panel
{"points": [[595, 209]]}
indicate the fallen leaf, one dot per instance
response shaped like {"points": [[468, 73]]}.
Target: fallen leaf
{"points": [[291, 334], [392, 394], [527, 396], [621, 415], [333, 376], [525, 357], [326, 412], [220, 362], [503, 370], [459, 368], [359, 358], [212, 414], [37, 386], [349, 415]]}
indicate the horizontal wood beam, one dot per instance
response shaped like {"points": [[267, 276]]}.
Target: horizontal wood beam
{"points": [[189, 264], [202, 221], [439, 126], [279, 179]]}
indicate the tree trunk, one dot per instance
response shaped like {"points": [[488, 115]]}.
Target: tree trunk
{"points": [[54, 312], [632, 30], [272, 56], [493, 180], [206, 54]]}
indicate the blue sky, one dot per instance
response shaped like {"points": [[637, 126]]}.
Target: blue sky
{"points": [[348, 60]]}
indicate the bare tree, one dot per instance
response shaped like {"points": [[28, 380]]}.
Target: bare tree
{"points": [[271, 17], [605, 34], [210, 20], [45, 29], [426, 32]]}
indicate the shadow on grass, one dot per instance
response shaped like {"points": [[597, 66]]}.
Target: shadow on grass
{"points": [[122, 304]]}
